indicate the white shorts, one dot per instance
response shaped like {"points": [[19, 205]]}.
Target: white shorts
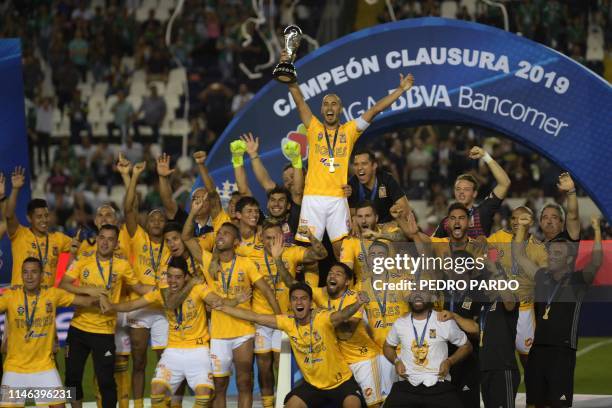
{"points": [[42, 379], [178, 364], [320, 213], [525, 329], [367, 375], [221, 353], [122, 335], [155, 321], [267, 339], [387, 376]]}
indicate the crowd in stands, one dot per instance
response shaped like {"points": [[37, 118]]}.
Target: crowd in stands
{"points": [[99, 80]]}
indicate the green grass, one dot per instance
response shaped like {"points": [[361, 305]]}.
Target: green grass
{"points": [[592, 375]]}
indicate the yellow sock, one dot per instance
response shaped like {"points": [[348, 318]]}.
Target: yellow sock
{"points": [[122, 378], [267, 401], [201, 401], [157, 401], [139, 403]]}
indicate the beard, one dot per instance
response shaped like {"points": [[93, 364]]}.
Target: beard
{"points": [[420, 307]]}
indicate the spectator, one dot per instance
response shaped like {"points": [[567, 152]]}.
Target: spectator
{"points": [[32, 75], [153, 109], [122, 113], [65, 81], [419, 162], [241, 98], [44, 128], [216, 99], [78, 48], [158, 66], [132, 151], [82, 12], [77, 112]]}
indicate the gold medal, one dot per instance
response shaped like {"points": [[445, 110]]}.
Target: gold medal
{"points": [[332, 169], [545, 317]]}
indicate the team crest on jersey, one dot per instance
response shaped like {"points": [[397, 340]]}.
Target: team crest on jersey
{"points": [[114, 278], [145, 247], [432, 333], [316, 336], [320, 136], [382, 192], [49, 306], [241, 276], [467, 303], [20, 310], [55, 251], [86, 273], [343, 138], [190, 304]]}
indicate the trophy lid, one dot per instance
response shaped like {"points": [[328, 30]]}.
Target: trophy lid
{"points": [[292, 28]]}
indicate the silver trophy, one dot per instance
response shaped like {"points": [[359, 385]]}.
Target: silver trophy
{"points": [[285, 71]]}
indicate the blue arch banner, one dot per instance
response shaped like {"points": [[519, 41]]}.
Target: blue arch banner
{"points": [[464, 73], [13, 139]]}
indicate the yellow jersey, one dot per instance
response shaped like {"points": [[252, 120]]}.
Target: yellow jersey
{"points": [[292, 256], [501, 243], [356, 347], [88, 248], [35, 353], [236, 276], [187, 325], [385, 306], [316, 350], [148, 256], [109, 275], [195, 268], [319, 180], [207, 240], [25, 244]]}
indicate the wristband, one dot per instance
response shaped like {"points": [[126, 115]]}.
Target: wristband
{"points": [[487, 158], [255, 157]]}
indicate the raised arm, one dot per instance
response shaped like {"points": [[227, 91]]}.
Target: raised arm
{"points": [[316, 251], [165, 189], [261, 174], [237, 149], [501, 177], [519, 247], [382, 104], [200, 159], [467, 325], [190, 241], [131, 216], [124, 167], [18, 181], [345, 314], [597, 255], [300, 103], [572, 218], [276, 251], [250, 316]]}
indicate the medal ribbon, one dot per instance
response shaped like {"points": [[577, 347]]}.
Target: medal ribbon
{"points": [[154, 264], [331, 148], [229, 277], [362, 195], [40, 256], [329, 306], [273, 277], [382, 306], [178, 314], [420, 340], [484, 310], [101, 271], [550, 296], [29, 318]]}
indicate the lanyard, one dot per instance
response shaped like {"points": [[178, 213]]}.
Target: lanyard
{"points": [[178, 313], [331, 148], [154, 264], [420, 340], [229, 277], [110, 272], [365, 254], [550, 296], [40, 256], [310, 349], [329, 305], [382, 306], [274, 278], [362, 195], [30, 318]]}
